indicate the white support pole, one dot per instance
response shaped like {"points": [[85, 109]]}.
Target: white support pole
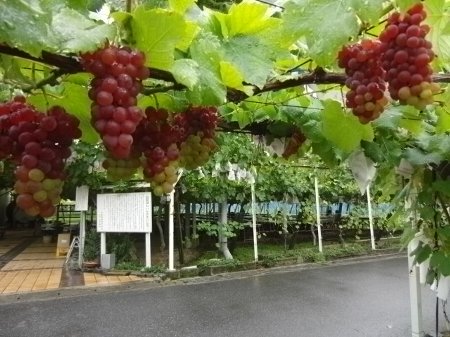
{"points": [[369, 207], [319, 229], [148, 250], [415, 295], [102, 243], [171, 197], [255, 236], [82, 237]]}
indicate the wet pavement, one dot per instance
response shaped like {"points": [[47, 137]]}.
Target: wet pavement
{"points": [[347, 299]]}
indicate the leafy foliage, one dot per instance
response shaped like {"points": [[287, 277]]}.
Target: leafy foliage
{"points": [[270, 71]]}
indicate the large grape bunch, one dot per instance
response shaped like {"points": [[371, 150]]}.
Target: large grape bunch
{"points": [[362, 65], [158, 140], [197, 126], [118, 74], [406, 57], [39, 144]]}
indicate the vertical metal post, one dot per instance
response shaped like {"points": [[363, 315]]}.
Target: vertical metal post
{"points": [[102, 243], [415, 295], [255, 236], [171, 230], [148, 250], [82, 237], [319, 230], [369, 207]]}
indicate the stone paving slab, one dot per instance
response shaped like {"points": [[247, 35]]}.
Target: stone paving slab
{"points": [[36, 267], [34, 264]]}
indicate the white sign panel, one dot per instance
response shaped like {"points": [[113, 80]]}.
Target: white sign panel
{"points": [[81, 198], [124, 212]]}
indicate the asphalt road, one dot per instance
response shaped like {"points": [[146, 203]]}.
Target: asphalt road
{"points": [[352, 300]]}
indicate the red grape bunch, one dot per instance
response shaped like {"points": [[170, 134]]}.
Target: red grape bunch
{"points": [[197, 126], [293, 144], [118, 74], [365, 79], [39, 144], [157, 139], [406, 57]]}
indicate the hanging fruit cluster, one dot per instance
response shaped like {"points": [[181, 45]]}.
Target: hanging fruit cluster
{"points": [[118, 73], [293, 144], [406, 58], [166, 143], [399, 60], [39, 145], [134, 139], [365, 79]]}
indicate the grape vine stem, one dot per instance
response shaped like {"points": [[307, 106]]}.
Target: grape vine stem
{"points": [[63, 64]]}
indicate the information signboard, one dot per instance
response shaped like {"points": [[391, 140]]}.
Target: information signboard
{"points": [[124, 212]]}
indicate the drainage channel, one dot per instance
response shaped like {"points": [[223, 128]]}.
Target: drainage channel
{"points": [[71, 278]]}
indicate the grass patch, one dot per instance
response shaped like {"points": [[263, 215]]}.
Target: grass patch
{"points": [[270, 255], [156, 269], [128, 266]]}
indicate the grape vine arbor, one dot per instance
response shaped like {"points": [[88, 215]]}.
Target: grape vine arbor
{"points": [[157, 83]]}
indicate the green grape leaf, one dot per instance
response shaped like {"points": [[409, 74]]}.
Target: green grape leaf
{"points": [[251, 56], [325, 25], [12, 70], [242, 117], [186, 72], [190, 31], [209, 90], [418, 157], [205, 50], [157, 32], [74, 99], [390, 118], [26, 26], [233, 78], [246, 18], [443, 122], [180, 6], [368, 11], [441, 262], [438, 19], [33, 26], [442, 186], [79, 34], [342, 128], [423, 253]]}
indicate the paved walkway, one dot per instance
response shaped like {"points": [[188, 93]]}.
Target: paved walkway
{"points": [[27, 265]]}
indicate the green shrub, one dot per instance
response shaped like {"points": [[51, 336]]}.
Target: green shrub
{"points": [[156, 269], [128, 266], [311, 255], [218, 262], [268, 261], [335, 252], [91, 245], [123, 246]]}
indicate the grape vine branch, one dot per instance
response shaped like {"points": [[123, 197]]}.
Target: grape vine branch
{"points": [[71, 65]]}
